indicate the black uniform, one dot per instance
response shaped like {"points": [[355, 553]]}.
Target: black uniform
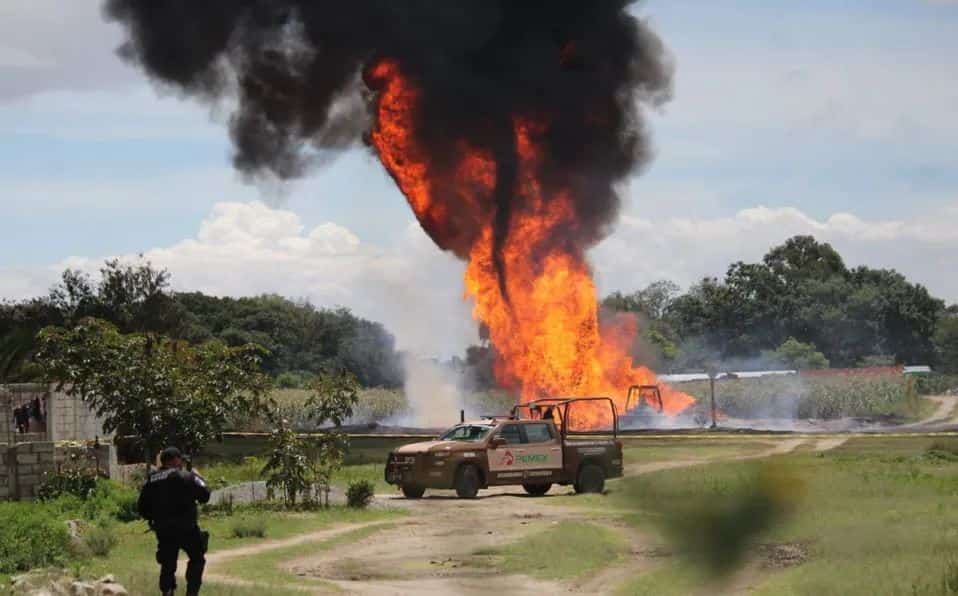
{"points": [[168, 501]]}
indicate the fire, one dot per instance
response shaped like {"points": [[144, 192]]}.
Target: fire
{"points": [[544, 320]]}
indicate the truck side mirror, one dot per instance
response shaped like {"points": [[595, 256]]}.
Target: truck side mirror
{"points": [[497, 442]]}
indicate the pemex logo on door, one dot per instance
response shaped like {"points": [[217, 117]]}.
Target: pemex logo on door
{"points": [[509, 459]]}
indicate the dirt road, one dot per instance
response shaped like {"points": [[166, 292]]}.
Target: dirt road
{"points": [[433, 550]]}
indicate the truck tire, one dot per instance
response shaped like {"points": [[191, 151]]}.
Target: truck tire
{"points": [[467, 482], [537, 490], [411, 491], [591, 479]]}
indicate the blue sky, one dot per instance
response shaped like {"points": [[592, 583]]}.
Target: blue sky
{"points": [[837, 118]]}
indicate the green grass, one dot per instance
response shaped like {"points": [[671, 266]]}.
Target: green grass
{"points": [[134, 565], [874, 514], [651, 450], [224, 474], [264, 568], [369, 472], [564, 551]]}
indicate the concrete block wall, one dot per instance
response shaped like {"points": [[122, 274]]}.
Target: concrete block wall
{"points": [[5, 488], [27, 464], [70, 419], [24, 466]]}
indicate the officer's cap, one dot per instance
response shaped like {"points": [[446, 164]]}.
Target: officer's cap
{"points": [[169, 454]]}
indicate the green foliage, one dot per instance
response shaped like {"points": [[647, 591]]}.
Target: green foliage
{"points": [[100, 539], [30, 537], [935, 384], [108, 501], [248, 527], [832, 396], [152, 387], [80, 483], [795, 354], [293, 380], [379, 404], [565, 550], [876, 360], [300, 338], [803, 290], [653, 301], [331, 403], [135, 297], [360, 493], [716, 528], [288, 466], [946, 342]]}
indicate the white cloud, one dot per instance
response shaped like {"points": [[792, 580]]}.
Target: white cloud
{"points": [[684, 249], [244, 249]]}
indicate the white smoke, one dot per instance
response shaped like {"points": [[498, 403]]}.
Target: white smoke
{"points": [[432, 392]]}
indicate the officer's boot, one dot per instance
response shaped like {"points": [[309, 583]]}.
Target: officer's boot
{"points": [[169, 593]]}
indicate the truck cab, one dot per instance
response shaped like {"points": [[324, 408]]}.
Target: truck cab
{"points": [[531, 447]]}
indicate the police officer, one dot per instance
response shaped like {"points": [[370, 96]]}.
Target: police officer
{"points": [[168, 502]]}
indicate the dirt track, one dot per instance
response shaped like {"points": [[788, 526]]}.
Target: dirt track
{"points": [[432, 550]]}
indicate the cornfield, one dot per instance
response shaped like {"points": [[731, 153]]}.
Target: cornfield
{"points": [[795, 396]]}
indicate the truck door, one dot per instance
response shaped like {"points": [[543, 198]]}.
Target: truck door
{"points": [[542, 457], [505, 462]]}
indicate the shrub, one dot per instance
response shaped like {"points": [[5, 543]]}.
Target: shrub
{"points": [[100, 540], [30, 536], [79, 483], [936, 384], [108, 501], [360, 493], [248, 527]]}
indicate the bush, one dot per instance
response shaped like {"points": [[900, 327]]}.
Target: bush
{"points": [[108, 501], [100, 540], [79, 483], [360, 493], [935, 384], [31, 536], [248, 527]]}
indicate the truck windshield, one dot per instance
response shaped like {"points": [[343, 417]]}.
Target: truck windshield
{"points": [[466, 432]]}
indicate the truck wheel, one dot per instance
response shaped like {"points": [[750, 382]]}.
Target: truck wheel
{"points": [[537, 490], [467, 482], [411, 491], [591, 479]]}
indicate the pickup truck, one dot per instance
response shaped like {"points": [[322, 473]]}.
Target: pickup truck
{"points": [[532, 447]]}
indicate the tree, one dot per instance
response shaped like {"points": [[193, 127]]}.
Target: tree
{"points": [[795, 354], [160, 390], [946, 341], [333, 398], [652, 301], [288, 467]]}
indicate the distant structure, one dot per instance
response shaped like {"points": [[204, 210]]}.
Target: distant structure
{"points": [[50, 416], [916, 369]]}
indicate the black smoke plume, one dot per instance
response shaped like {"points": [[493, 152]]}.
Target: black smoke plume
{"points": [[294, 70]]}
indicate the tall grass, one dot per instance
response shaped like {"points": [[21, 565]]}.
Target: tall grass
{"points": [[806, 397]]}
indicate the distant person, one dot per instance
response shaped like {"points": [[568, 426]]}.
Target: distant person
{"points": [[168, 502], [36, 410], [21, 416]]}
